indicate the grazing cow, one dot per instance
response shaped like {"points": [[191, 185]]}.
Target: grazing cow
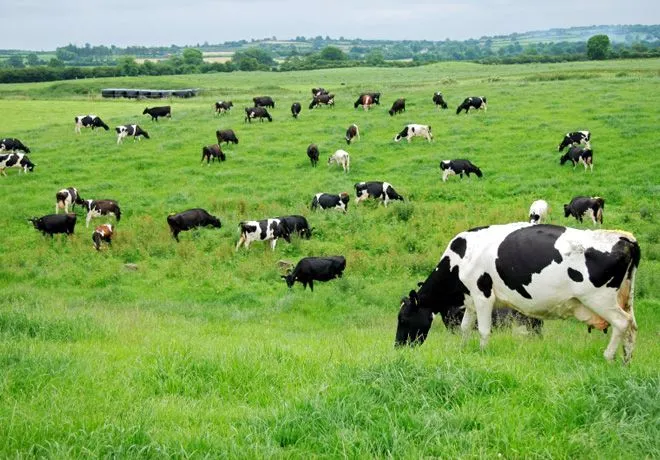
{"points": [[262, 230], [413, 130], [378, 190], [297, 224], [341, 157], [581, 205], [574, 138], [319, 91], [15, 160], [375, 97], [544, 271], [98, 208], [223, 106], [323, 99], [474, 102], [264, 101], [211, 152], [538, 212], [155, 112], [399, 106], [438, 100], [257, 112], [578, 154], [313, 154], [295, 109], [67, 197], [351, 133], [365, 100], [226, 136], [192, 218], [328, 201], [11, 144], [55, 223], [102, 233], [130, 130], [89, 121], [310, 269], [459, 167]]}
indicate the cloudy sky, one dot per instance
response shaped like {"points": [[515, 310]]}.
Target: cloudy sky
{"points": [[47, 24]]}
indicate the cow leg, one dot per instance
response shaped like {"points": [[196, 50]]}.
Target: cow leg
{"points": [[311, 285], [273, 242], [241, 240], [175, 234], [484, 320], [2, 170], [88, 218], [467, 324]]}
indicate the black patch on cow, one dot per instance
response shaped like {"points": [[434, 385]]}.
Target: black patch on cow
{"points": [[443, 291], [476, 229], [575, 275], [610, 267], [263, 225], [458, 245], [485, 284], [527, 251]]}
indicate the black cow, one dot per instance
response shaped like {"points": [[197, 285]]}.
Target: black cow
{"points": [[226, 136], [310, 269], [295, 109], [322, 99], [474, 102], [578, 154], [439, 101], [319, 91], [67, 197], [313, 154], [102, 233], [89, 121], [328, 201], [130, 130], [211, 152], [399, 106], [16, 160], [459, 167], [223, 106], [297, 224], [378, 190], [581, 205], [192, 218], [574, 138], [264, 101], [55, 223], [11, 144], [352, 132], [257, 112], [155, 112], [98, 208]]}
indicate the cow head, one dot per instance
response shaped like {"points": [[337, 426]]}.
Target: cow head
{"points": [[563, 159], [215, 222], [414, 321], [567, 210], [146, 110], [564, 143], [27, 164], [35, 221], [289, 280], [401, 135]]}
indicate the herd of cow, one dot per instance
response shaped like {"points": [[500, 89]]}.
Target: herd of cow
{"points": [[485, 274]]}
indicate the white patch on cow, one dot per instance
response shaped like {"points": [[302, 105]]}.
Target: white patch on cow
{"points": [[446, 173]]}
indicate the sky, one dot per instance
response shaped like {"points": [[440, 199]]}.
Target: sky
{"points": [[47, 24]]}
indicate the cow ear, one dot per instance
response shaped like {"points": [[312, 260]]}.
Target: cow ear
{"points": [[414, 300]]}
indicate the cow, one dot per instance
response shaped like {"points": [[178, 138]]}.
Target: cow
{"points": [[155, 112], [297, 224], [211, 152], [342, 158], [54, 223], [578, 154], [15, 160], [264, 101], [98, 208], [323, 99], [67, 197], [438, 100], [328, 201], [192, 218], [352, 132], [310, 269], [474, 102], [375, 97], [256, 112], [11, 144], [399, 106], [319, 92], [223, 106], [459, 167], [365, 100], [102, 233], [130, 130], [313, 154], [89, 121], [581, 205], [538, 212], [543, 271], [378, 190], [574, 138], [226, 136], [262, 230], [295, 109], [413, 130]]}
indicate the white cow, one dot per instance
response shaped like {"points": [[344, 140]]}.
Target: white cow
{"points": [[538, 212], [342, 158]]}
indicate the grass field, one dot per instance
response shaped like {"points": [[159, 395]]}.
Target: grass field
{"points": [[203, 351]]}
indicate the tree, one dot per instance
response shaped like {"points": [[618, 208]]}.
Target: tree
{"points": [[598, 47], [375, 58], [15, 61], [128, 66], [32, 59], [332, 53], [192, 56]]}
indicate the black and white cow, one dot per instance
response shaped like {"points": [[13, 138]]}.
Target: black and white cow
{"points": [[89, 121], [578, 154], [98, 208], [352, 132], [438, 100], [319, 91], [67, 197], [295, 109], [264, 101], [313, 154], [192, 218], [55, 223], [544, 271], [10, 144], [310, 269], [262, 230], [459, 167], [256, 112], [328, 201], [414, 130], [399, 106], [538, 212], [474, 102], [155, 112], [15, 160], [297, 225], [130, 130], [581, 205], [342, 158], [226, 136], [377, 190], [322, 99], [365, 100], [574, 138], [223, 106], [211, 152], [102, 233]]}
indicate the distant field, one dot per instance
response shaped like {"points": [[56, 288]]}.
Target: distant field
{"points": [[203, 351]]}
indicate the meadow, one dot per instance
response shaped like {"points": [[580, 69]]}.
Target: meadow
{"points": [[202, 351]]}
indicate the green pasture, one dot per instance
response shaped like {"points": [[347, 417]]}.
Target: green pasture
{"points": [[156, 349]]}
